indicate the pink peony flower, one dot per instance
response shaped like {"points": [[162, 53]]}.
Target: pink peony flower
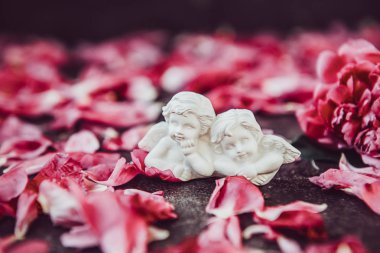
{"points": [[345, 108]]}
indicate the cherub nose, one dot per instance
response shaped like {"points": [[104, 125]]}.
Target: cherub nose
{"points": [[239, 148], [179, 131]]}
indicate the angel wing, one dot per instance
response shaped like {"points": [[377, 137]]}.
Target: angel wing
{"points": [[275, 143], [154, 134]]}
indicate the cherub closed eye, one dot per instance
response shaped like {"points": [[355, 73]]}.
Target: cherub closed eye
{"points": [[242, 148]]}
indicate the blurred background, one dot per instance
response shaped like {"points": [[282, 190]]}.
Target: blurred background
{"points": [[98, 19]]}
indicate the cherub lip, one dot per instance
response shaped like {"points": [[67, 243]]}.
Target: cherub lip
{"points": [[242, 155], [179, 138]]}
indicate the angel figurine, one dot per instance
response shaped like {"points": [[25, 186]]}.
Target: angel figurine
{"points": [[181, 143], [243, 149]]}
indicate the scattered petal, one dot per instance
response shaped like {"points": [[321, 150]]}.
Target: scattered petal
{"points": [[12, 184], [234, 195]]}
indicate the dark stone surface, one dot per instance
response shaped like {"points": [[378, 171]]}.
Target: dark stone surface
{"points": [[345, 214]]}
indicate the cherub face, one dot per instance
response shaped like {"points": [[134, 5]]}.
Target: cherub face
{"points": [[240, 146], [184, 127]]}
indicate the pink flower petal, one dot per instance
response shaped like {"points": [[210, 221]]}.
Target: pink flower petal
{"points": [[7, 209], [62, 205], [300, 216], [6, 242], [59, 168], [346, 244], [27, 212], [12, 184], [123, 231], [340, 179], [368, 171], [152, 206], [285, 244], [21, 140], [88, 161], [138, 157], [32, 166], [35, 246], [80, 237], [370, 194], [361, 182], [122, 114], [328, 65], [221, 236], [83, 141], [24, 147], [128, 140], [222, 230], [121, 174], [12, 127], [234, 195], [274, 212]]}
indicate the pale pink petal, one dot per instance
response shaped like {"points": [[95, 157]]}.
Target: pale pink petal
{"points": [[62, 206], [83, 141], [128, 140], [123, 231], [368, 171], [340, 179], [12, 184], [234, 195], [361, 182], [157, 234], [328, 65], [152, 206], [24, 147], [12, 127], [221, 236], [222, 230], [121, 174], [87, 161], [138, 156], [375, 162], [300, 216], [359, 50], [27, 212], [346, 244], [79, 237], [60, 168], [6, 241], [370, 194], [274, 212], [7, 209], [33, 246], [122, 114], [285, 244], [32, 166]]}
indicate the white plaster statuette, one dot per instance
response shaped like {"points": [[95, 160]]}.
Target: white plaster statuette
{"points": [[181, 143], [193, 143], [242, 149]]}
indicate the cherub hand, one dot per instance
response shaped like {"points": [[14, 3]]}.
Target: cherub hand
{"points": [[178, 170], [247, 171], [186, 174], [188, 147], [259, 180]]}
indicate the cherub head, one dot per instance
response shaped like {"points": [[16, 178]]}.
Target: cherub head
{"points": [[189, 116], [237, 134]]}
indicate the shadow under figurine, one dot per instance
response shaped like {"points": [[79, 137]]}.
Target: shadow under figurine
{"points": [[193, 143]]}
